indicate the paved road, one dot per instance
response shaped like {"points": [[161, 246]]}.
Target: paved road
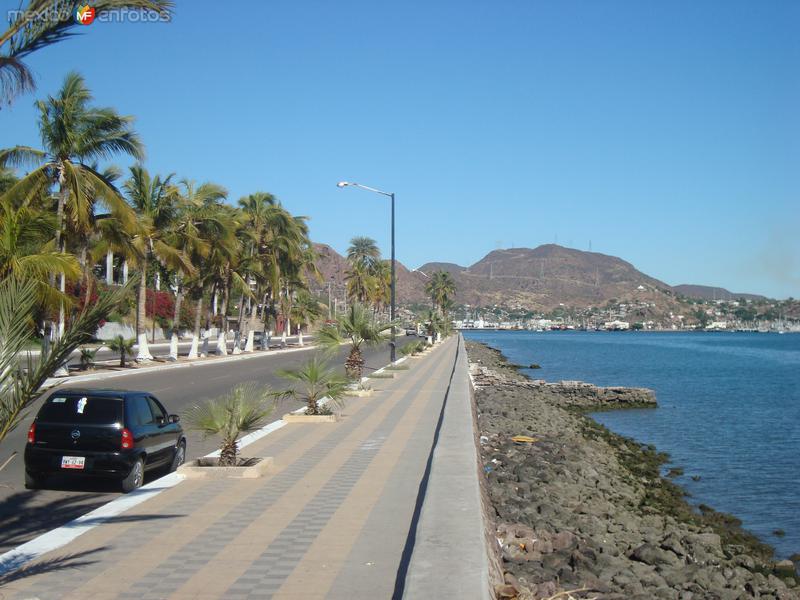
{"points": [[25, 514], [161, 349]]}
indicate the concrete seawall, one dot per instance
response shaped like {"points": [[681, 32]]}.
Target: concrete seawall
{"points": [[451, 556]]}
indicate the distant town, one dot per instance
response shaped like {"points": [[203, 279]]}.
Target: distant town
{"points": [[743, 315]]}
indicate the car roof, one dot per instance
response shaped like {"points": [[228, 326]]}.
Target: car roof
{"points": [[107, 392]]}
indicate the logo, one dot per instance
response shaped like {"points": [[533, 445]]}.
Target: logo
{"points": [[75, 434], [85, 15]]}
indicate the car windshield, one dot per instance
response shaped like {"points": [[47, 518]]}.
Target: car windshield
{"points": [[90, 410]]}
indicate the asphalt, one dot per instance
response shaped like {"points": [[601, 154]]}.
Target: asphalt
{"points": [[24, 514]]}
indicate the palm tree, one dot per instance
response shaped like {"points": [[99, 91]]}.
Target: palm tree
{"points": [[39, 24], [441, 288], [19, 388], [315, 381], [196, 227], [364, 251], [242, 409], [27, 251], [382, 284], [306, 310], [74, 134], [359, 329], [360, 283], [155, 201], [123, 346]]}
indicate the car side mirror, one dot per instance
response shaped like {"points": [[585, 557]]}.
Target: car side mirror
{"points": [[174, 418]]}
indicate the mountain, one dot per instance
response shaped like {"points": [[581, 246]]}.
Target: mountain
{"points": [[537, 279], [549, 275], [705, 292], [333, 267]]}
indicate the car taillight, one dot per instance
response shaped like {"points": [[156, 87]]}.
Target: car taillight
{"points": [[127, 439], [32, 433]]}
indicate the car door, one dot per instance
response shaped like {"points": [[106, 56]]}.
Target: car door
{"points": [[164, 431], [145, 431]]}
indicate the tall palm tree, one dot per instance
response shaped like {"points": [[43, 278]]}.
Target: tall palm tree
{"points": [[40, 23], [360, 282], [194, 230], [73, 134], [306, 310], [359, 329], [441, 288], [27, 251], [155, 201], [363, 250], [382, 284]]}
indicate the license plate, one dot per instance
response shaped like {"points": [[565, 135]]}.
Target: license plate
{"points": [[72, 462]]}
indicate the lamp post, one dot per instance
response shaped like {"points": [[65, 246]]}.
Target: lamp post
{"points": [[392, 345]]}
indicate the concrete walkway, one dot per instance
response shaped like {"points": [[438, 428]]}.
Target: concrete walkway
{"points": [[337, 516]]}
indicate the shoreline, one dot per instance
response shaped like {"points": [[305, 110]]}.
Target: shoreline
{"points": [[582, 507]]}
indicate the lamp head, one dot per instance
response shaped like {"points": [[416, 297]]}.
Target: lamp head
{"points": [[342, 184]]}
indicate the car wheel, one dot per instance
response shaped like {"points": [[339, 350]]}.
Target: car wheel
{"points": [[179, 458], [135, 477], [32, 482]]}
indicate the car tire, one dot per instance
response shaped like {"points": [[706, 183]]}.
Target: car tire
{"points": [[32, 482], [135, 478], [179, 457]]}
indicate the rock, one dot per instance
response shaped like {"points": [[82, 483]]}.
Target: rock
{"points": [[652, 555]]}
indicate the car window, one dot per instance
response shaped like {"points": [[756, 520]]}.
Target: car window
{"points": [[90, 410], [158, 410], [141, 413]]}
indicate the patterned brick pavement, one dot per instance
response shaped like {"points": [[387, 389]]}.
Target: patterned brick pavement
{"points": [[330, 519]]}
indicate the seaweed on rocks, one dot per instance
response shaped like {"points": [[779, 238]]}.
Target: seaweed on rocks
{"points": [[578, 507]]}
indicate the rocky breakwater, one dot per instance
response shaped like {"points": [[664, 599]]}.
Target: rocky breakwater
{"points": [[581, 512]]}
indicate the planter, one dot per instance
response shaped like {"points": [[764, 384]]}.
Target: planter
{"points": [[207, 468], [359, 393], [303, 418], [381, 375]]}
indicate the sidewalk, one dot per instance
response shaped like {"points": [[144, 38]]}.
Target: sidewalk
{"points": [[331, 520]]}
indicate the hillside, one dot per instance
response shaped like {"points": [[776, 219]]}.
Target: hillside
{"points": [[705, 292], [539, 279]]}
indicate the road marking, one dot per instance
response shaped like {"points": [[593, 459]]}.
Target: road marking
{"points": [[61, 536]]}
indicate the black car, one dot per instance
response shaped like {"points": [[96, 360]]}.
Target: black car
{"points": [[103, 433]]}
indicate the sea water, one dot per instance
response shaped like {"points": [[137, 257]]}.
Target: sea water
{"points": [[728, 410]]}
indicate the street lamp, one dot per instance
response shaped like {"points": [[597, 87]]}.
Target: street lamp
{"points": [[342, 184]]}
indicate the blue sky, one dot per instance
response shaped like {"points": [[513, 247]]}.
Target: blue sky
{"points": [[666, 133]]}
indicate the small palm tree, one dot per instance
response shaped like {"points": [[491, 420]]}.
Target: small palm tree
{"points": [[123, 346], [358, 328], [87, 358], [242, 409], [315, 381]]}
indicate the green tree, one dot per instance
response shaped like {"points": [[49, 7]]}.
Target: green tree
{"points": [[314, 380], [306, 310], [27, 251], [358, 329], [155, 201], [123, 346], [441, 288], [74, 134], [242, 409]]}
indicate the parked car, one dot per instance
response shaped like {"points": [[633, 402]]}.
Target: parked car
{"points": [[114, 434]]}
